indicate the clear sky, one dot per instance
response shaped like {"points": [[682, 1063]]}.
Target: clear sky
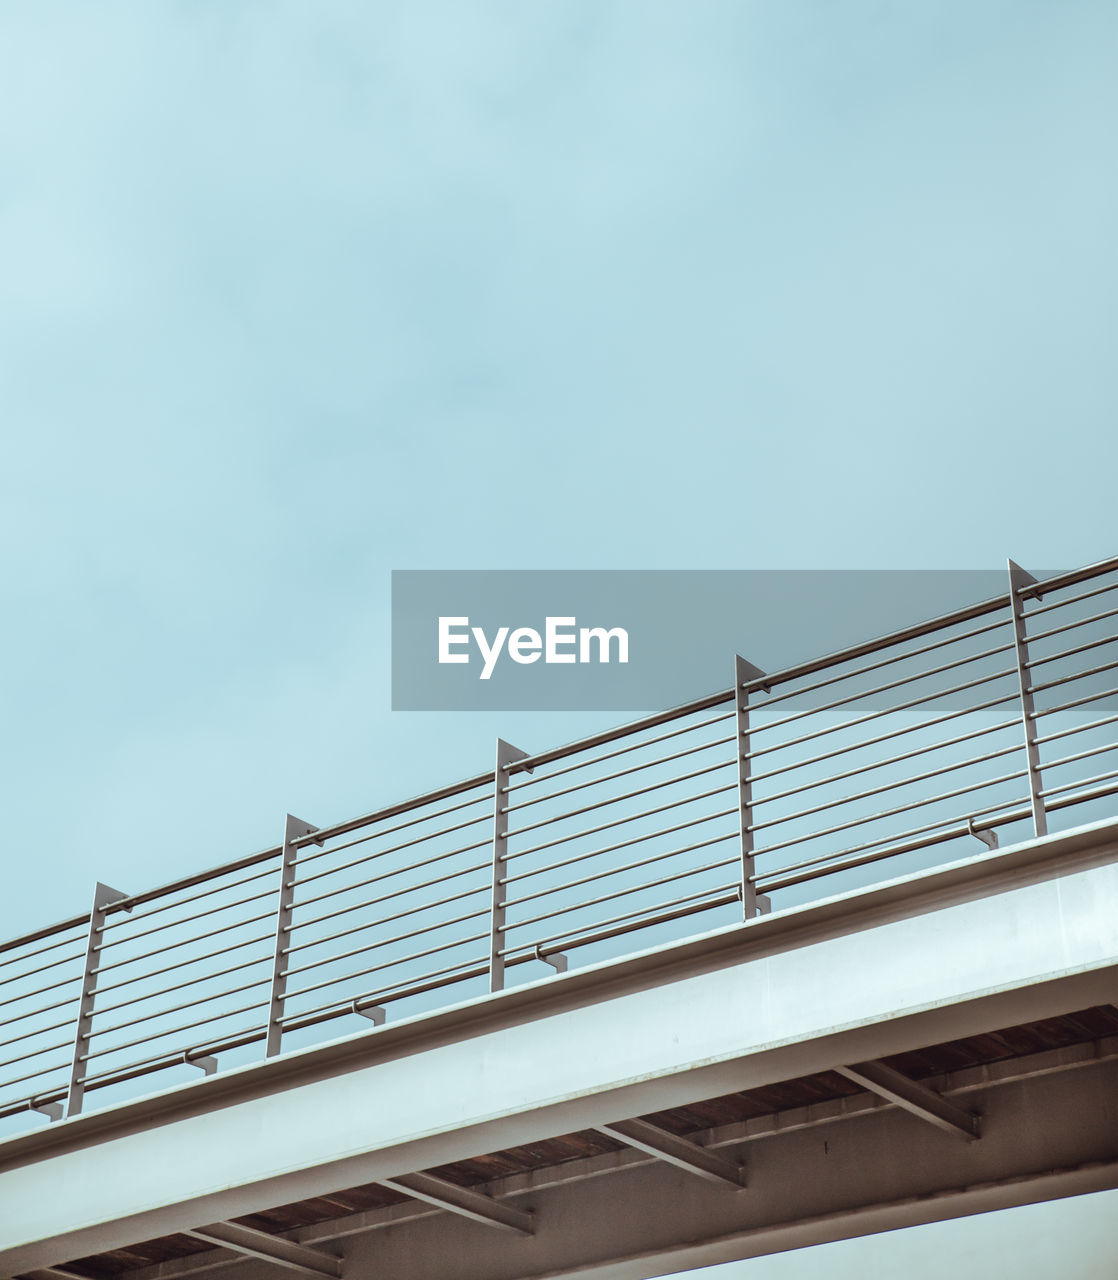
{"points": [[295, 294]]}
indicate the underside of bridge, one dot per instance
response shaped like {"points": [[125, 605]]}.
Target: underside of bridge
{"points": [[936, 1046], [829, 1109]]}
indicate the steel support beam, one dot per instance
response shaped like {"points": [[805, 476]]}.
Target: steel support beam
{"points": [[259, 1244], [744, 674], [462, 1200], [675, 1150], [293, 829], [917, 1098], [103, 898], [502, 802], [1019, 578]]}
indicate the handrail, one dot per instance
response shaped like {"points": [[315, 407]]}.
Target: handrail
{"points": [[526, 909]]}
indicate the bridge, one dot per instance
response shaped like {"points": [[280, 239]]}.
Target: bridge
{"points": [[829, 952]]}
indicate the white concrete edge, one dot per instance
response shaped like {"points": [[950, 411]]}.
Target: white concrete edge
{"points": [[848, 912]]}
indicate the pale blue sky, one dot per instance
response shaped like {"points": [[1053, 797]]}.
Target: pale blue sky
{"points": [[292, 295]]}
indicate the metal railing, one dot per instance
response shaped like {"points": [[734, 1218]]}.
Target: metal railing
{"points": [[788, 785]]}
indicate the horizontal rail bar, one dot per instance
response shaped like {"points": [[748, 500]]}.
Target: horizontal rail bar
{"points": [[880, 712], [1075, 675], [1073, 626], [634, 727], [617, 822], [70, 1001], [898, 809], [1080, 797], [186, 942], [618, 869], [375, 902], [662, 913], [148, 1066], [619, 773], [1075, 702], [627, 843], [73, 958], [881, 788], [620, 893], [903, 656], [97, 1031], [763, 726], [773, 881], [1079, 782], [1074, 729], [172, 1058], [38, 1053], [174, 1031], [377, 943], [48, 931], [189, 881], [315, 837], [302, 881], [396, 893], [102, 1009], [38, 1031], [388, 964], [1061, 604], [73, 980], [103, 988], [567, 942], [391, 810], [765, 774], [353, 928], [523, 780], [903, 842], [34, 1075], [205, 913], [451, 976], [122, 919], [1079, 755], [858, 770], [616, 799]]}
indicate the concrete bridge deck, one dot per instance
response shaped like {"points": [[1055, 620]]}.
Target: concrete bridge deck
{"points": [[939, 1044]]}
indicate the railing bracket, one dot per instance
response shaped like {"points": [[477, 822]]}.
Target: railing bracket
{"points": [[556, 959], [52, 1110], [988, 838], [376, 1013]]}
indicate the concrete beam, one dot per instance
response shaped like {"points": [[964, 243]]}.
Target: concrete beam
{"points": [[1045, 1137], [676, 1150], [461, 1200], [273, 1249], [820, 1117], [857, 977], [913, 1097]]}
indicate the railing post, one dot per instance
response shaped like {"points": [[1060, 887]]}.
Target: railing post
{"points": [[744, 673], [103, 898], [293, 829], [1019, 577], [506, 755]]}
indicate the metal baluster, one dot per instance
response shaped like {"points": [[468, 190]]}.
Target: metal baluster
{"points": [[103, 898], [1019, 577], [293, 830], [502, 800], [744, 673]]}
